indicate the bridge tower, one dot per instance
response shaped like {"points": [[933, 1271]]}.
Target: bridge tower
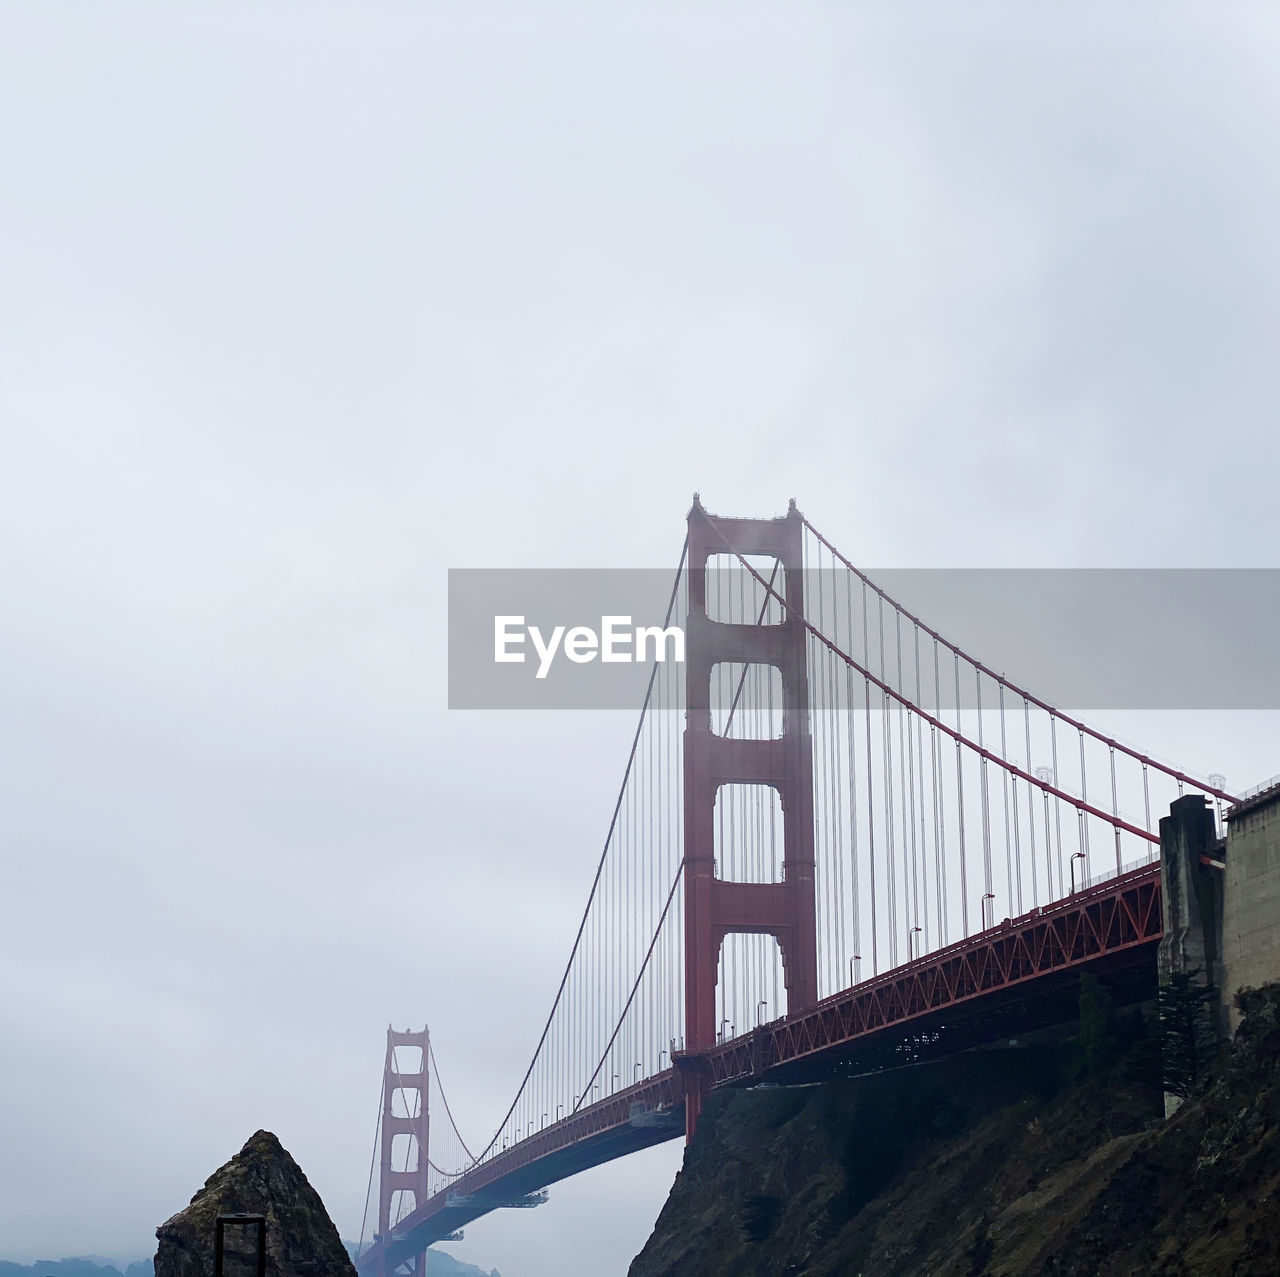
{"points": [[414, 1122], [715, 908]]}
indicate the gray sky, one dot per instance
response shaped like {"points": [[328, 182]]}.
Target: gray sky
{"points": [[302, 304]]}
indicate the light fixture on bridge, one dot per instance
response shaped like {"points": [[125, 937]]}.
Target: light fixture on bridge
{"points": [[988, 910], [1218, 781], [1076, 855]]}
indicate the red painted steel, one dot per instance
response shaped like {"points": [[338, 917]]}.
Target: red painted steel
{"points": [[974, 747], [1111, 918], [714, 908], [653, 1094], [611, 1116], [415, 1123], [1115, 916], [998, 678], [975, 986]]}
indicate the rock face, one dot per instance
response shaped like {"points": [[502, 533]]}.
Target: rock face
{"points": [[795, 1181], [952, 1169], [262, 1179]]}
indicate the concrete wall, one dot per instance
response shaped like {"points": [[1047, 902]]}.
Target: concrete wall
{"points": [[1251, 913], [1192, 893]]}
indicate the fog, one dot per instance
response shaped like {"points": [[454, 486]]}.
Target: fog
{"points": [[302, 305]]}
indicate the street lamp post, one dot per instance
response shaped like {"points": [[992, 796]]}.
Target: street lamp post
{"points": [[1046, 775], [1075, 855], [1218, 781]]}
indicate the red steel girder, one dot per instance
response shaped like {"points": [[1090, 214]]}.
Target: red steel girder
{"points": [[1119, 915], [1102, 920]]}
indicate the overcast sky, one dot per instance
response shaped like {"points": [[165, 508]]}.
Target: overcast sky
{"points": [[302, 304]]}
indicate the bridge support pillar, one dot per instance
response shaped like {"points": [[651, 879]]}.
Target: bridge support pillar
{"points": [[414, 1122], [1191, 863], [715, 908], [1251, 909]]}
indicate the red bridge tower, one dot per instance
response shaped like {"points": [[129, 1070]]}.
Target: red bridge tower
{"points": [[413, 1122], [715, 908]]}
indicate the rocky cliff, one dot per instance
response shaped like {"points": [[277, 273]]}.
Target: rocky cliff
{"points": [[261, 1179], [987, 1164]]}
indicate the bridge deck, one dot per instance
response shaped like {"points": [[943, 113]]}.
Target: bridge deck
{"points": [[1109, 923], [648, 1113], [1115, 924]]}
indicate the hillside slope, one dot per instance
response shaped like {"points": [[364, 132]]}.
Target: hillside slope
{"points": [[982, 1165]]}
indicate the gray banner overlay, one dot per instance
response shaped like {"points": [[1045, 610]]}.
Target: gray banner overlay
{"points": [[1076, 638]]}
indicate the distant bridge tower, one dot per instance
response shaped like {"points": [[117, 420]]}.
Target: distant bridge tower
{"points": [[715, 908], [413, 1122]]}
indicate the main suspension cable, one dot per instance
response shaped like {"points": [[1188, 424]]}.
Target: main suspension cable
{"points": [[1136, 755], [595, 882], [981, 751]]}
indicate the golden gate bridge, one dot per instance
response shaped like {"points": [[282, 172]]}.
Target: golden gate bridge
{"points": [[839, 840]]}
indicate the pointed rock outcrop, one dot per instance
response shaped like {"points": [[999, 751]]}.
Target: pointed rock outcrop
{"points": [[262, 1179]]}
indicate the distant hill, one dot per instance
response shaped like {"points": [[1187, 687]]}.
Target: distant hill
{"points": [[74, 1268], [438, 1265]]}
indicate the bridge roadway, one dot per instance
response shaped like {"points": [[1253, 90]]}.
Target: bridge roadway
{"points": [[1019, 975]]}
